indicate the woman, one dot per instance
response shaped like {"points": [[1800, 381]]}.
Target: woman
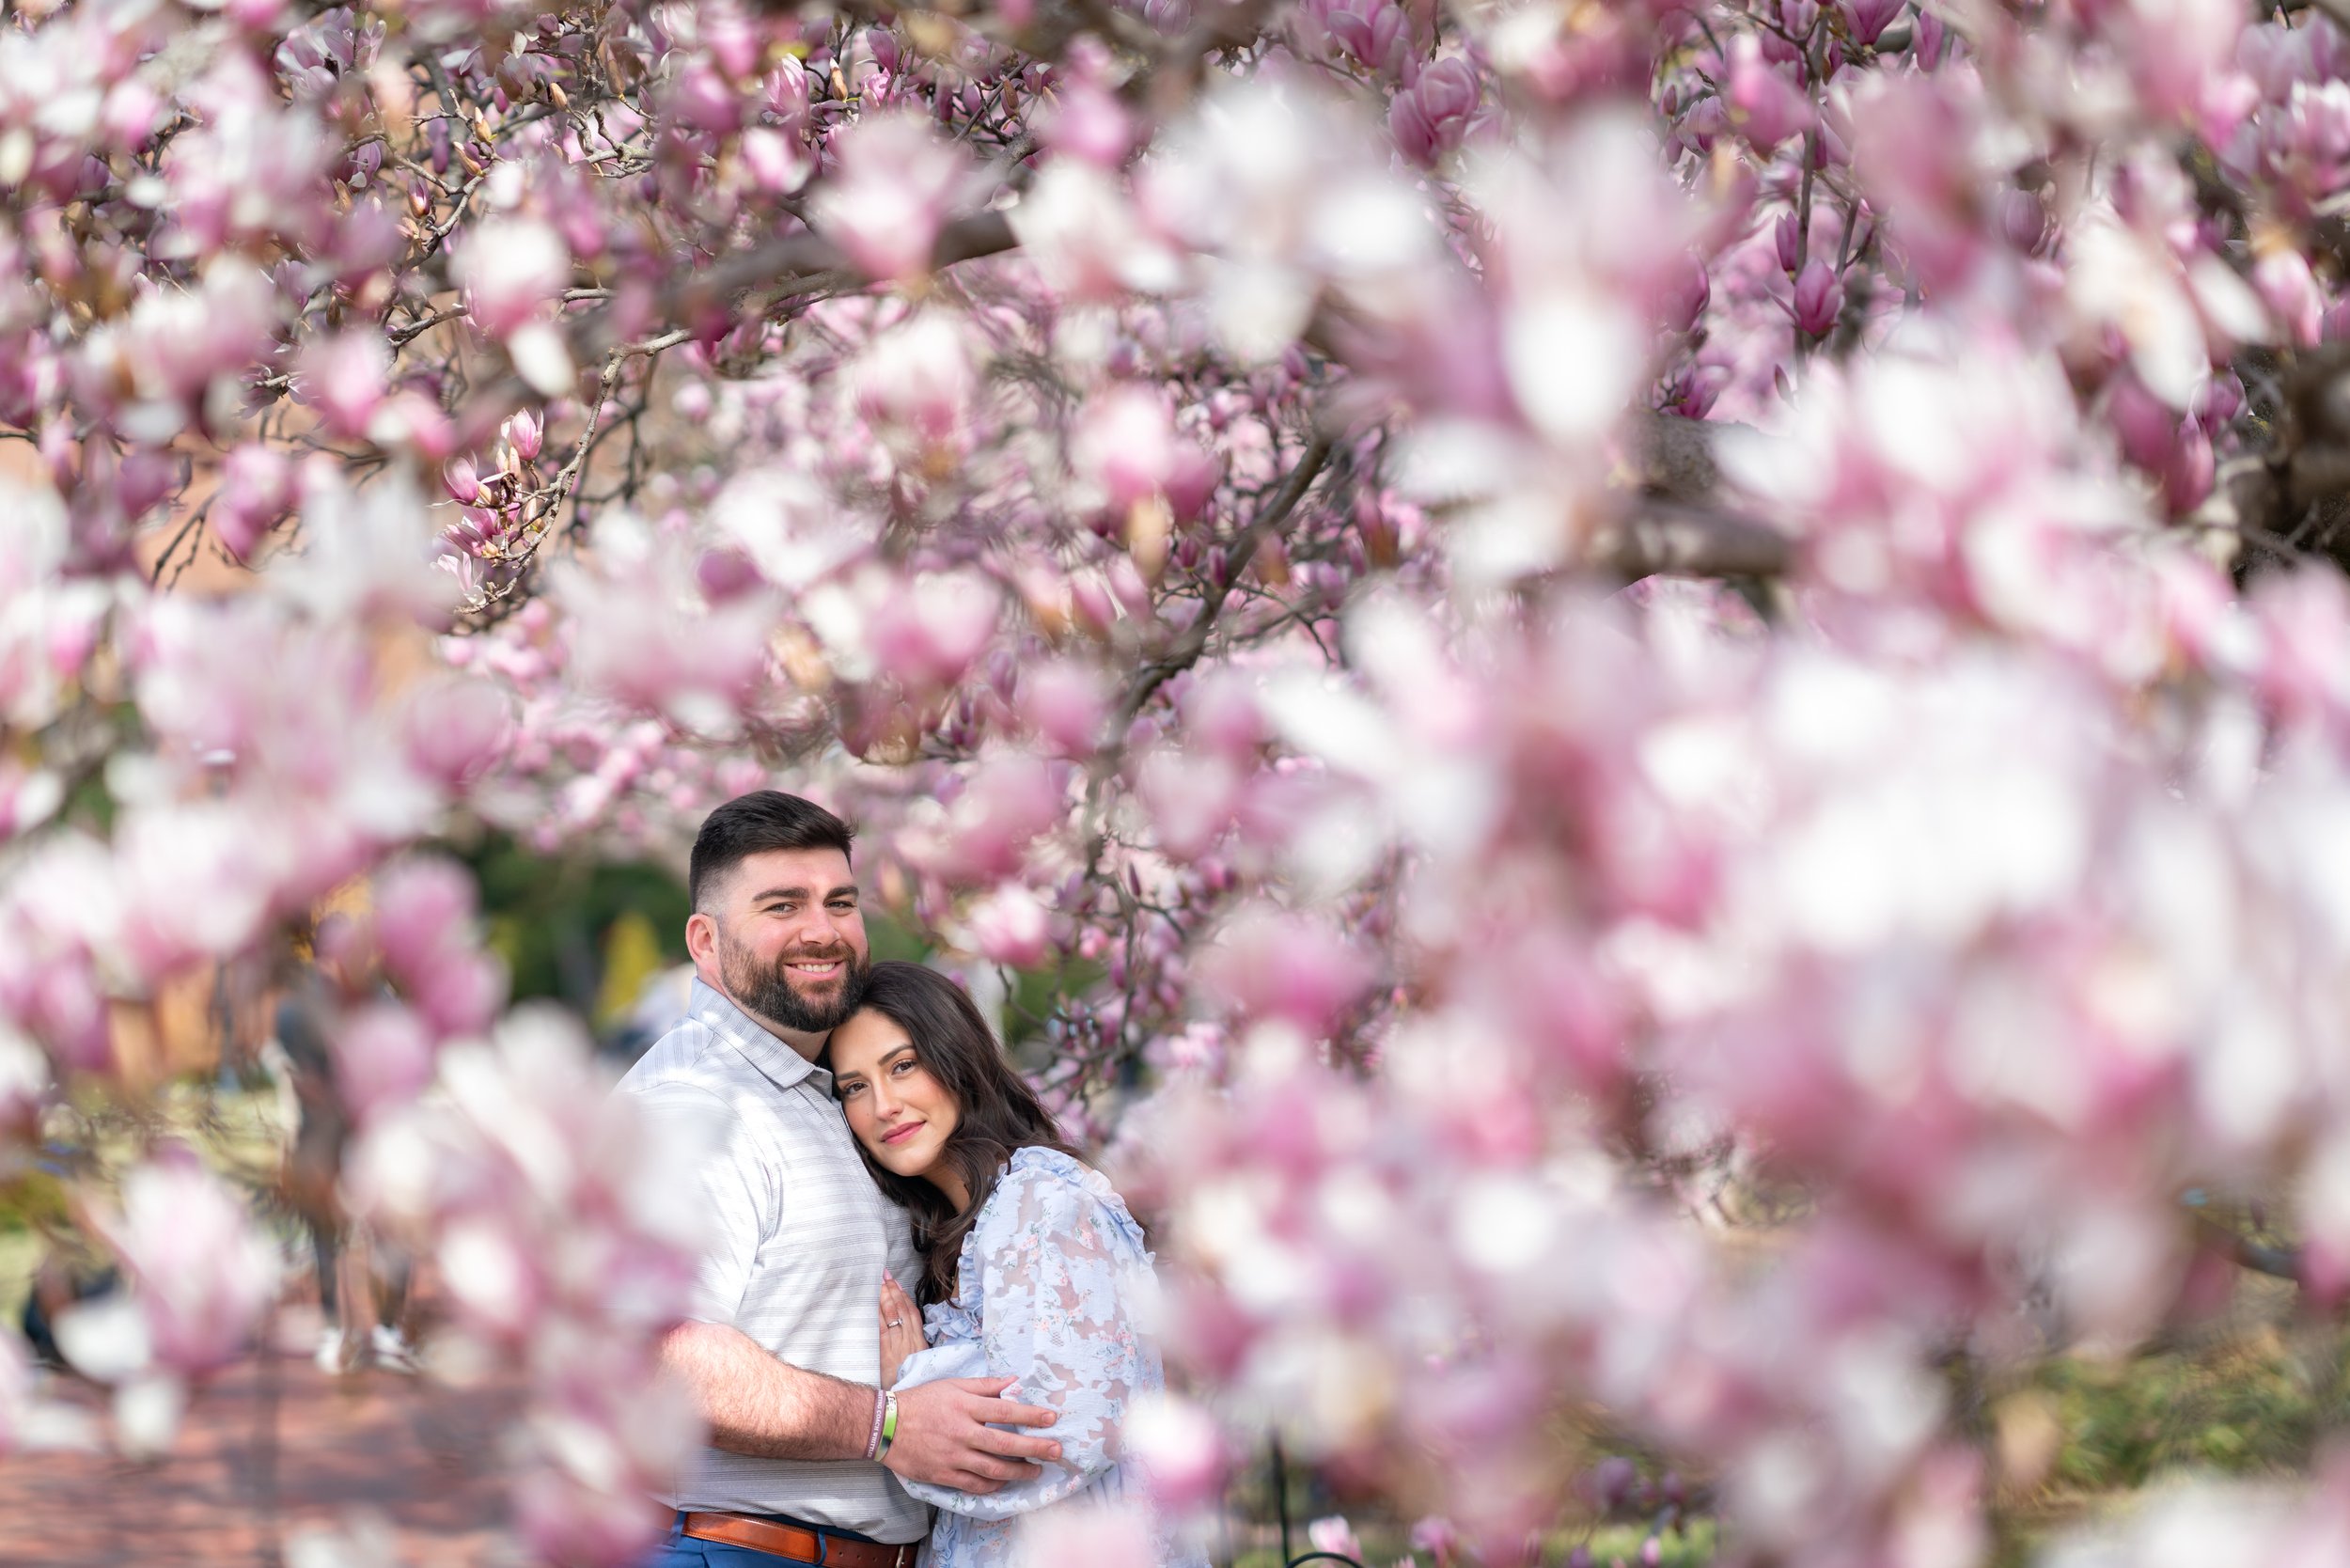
{"points": [[1031, 1266]]}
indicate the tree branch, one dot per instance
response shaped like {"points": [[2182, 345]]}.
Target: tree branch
{"points": [[1666, 537], [792, 266], [2280, 1263], [1243, 548]]}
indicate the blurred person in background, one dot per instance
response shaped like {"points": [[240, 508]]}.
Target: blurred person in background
{"points": [[661, 1004], [362, 1285]]}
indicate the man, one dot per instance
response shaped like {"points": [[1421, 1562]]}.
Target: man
{"points": [[782, 1347]]}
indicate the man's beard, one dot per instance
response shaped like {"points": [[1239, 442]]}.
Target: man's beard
{"points": [[767, 989]]}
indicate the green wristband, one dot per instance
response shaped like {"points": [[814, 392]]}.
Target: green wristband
{"points": [[889, 1426]]}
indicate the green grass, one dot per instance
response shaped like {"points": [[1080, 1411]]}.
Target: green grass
{"points": [[19, 1255], [235, 1132], [2258, 1406]]}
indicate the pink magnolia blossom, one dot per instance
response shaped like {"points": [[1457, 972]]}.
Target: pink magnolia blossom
{"points": [[256, 491], [897, 186], [201, 1271], [1763, 103], [1128, 445], [1914, 140], [1090, 125], [510, 268], [1430, 116], [917, 383], [1182, 1453], [342, 377], [1010, 926], [2286, 286], [1291, 969], [383, 1059], [547, 1196]]}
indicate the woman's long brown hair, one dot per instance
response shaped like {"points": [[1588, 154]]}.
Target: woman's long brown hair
{"points": [[996, 1112]]}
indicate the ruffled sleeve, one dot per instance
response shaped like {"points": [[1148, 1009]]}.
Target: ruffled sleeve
{"points": [[955, 1358], [1061, 1269]]}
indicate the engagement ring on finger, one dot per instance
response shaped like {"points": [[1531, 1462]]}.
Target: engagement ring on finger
{"points": [[897, 1323]]}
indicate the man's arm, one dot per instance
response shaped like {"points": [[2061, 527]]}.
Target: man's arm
{"points": [[763, 1407], [757, 1405]]}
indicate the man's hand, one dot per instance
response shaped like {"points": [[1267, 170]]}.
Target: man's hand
{"points": [[945, 1436]]}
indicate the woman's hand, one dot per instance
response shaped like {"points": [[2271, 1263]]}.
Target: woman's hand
{"points": [[900, 1328]]}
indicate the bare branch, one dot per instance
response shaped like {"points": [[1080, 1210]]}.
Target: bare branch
{"points": [[1691, 542], [784, 269], [2280, 1263], [1243, 549]]}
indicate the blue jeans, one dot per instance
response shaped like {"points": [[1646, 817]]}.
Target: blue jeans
{"points": [[680, 1550]]}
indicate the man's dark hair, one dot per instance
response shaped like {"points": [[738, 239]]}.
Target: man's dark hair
{"points": [[754, 824]]}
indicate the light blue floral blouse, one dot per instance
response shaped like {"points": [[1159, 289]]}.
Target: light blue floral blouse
{"points": [[1048, 1289]]}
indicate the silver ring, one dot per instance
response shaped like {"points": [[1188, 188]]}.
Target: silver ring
{"points": [[897, 1323]]}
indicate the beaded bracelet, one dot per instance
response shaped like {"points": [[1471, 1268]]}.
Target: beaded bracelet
{"points": [[885, 1406]]}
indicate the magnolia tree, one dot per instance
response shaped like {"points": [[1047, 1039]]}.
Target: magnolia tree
{"points": [[1661, 681]]}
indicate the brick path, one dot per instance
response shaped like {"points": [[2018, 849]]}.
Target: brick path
{"points": [[422, 1455]]}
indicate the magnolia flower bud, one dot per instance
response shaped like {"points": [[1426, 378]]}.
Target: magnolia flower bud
{"points": [[524, 431], [2023, 219], [1429, 118], [1932, 36], [1685, 307], [459, 478], [2188, 474], [1787, 238], [1819, 298], [1867, 19], [2142, 421]]}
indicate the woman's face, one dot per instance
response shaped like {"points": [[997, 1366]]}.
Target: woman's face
{"points": [[895, 1108]]}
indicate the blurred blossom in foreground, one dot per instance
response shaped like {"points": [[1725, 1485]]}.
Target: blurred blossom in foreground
{"points": [[564, 1244]]}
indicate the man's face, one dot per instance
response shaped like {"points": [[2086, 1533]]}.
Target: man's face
{"points": [[791, 938]]}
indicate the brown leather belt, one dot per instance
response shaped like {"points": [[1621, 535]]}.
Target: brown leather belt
{"points": [[823, 1549]]}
